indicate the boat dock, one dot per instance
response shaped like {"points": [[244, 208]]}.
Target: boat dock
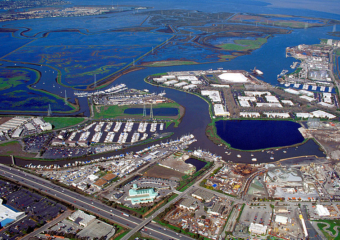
{"points": [[117, 127], [153, 127], [109, 137], [142, 127], [135, 137], [128, 126]]}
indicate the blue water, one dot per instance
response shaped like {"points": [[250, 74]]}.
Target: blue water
{"points": [[156, 111], [257, 134], [197, 163]]}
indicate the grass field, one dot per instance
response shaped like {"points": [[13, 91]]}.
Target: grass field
{"points": [[244, 44], [169, 63], [118, 111], [14, 148], [61, 122], [332, 224]]}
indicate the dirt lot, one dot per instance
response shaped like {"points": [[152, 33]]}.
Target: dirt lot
{"points": [[4, 119], [14, 148], [165, 173]]}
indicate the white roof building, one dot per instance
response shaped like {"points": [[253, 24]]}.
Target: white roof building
{"points": [[326, 104], [303, 115], [288, 102], [310, 99], [249, 114], [38, 121], [181, 84], [233, 77], [321, 211], [256, 93], [7, 215], [189, 78], [246, 98], [82, 218], [323, 114], [212, 94], [308, 93], [171, 82], [269, 105], [271, 99], [281, 219], [244, 103], [197, 82], [292, 91], [220, 85], [277, 115], [219, 110], [191, 86], [17, 132], [257, 228], [160, 80], [46, 126]]}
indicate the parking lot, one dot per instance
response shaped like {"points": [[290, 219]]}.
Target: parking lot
{"points": [[257, 214], [38, 209]]}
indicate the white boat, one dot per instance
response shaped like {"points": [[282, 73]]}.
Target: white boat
{"points": [[254, 159], [257, 71]]}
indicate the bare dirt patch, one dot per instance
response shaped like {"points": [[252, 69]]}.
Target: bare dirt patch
{"points": [[14, 148], [165, 173]]}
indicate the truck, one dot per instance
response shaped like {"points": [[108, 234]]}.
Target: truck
{"points": [[125, 214]]}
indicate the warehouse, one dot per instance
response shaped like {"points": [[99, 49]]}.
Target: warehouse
{"points": [[233, 77], [257, 228], [219, 111], [212, 94]]}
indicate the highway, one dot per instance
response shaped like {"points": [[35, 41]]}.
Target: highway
{"points": [[86, 203]]}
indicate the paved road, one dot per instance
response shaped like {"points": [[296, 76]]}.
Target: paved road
{"points": [[149, 219], [85, 203], [48, 225], [312, 234]]}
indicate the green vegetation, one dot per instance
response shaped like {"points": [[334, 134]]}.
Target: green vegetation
{"points": [[8, 143], [62, 122], [227, 57], [240, 213], [244, 44], [13, 77], [169, 63], [187, 181], [337, 51], [333, 224], [122, 235], [118, 111], [138, 235]]}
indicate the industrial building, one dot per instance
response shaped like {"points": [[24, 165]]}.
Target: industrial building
{"points": [[82, 218], [257, 228], [7, 215], [219, 111], [322, 211], [137, 196], [281, 219], [202, 195], [189, 204], [212, 94]]}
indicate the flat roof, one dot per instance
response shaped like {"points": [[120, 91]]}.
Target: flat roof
{"points": [[203, 194], [233, 77], [97, 229], [7, 215]]}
